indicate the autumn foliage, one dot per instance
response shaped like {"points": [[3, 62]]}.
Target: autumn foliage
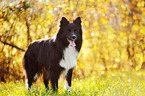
{"points": [[113, 33]]}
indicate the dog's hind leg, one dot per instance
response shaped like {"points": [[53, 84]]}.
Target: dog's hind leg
{"points": [[46, 82], [46, 79], [54, 81], [31, 78]]}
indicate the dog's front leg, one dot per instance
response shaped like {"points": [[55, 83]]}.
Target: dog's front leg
{"points": [[68, 79]]}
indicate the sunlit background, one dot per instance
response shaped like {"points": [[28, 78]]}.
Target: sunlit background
{"points": [[113, 33]]}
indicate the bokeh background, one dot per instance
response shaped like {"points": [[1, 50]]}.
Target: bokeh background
{"points": [[113, 33]]}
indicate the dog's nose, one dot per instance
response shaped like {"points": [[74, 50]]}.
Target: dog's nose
{"points": [[74, 37]]}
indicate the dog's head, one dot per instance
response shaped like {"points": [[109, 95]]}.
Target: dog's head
{"points": [[70, 32]]}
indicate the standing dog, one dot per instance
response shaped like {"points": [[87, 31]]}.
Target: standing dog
{"points": [[54, 56]]}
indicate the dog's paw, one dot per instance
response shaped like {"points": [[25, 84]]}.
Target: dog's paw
{"points": [[69, 89]]}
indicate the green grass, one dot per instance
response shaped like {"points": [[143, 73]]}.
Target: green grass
{"points": [[109, 84]]}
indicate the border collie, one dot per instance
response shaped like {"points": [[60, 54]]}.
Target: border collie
{"points": [[54, 56]]}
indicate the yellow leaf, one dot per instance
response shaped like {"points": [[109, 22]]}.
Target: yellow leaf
{"points": [[104, 21], [117, 60], [87, 23], [95, 48]]}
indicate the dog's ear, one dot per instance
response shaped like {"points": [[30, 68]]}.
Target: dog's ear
{"points": [[77, 21], [63, 22]]}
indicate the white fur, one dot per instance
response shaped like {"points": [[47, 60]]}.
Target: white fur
{"points": [[68, 87], [54, 37], [69, 61], [26, 82], [70, 57], [35, 77]]}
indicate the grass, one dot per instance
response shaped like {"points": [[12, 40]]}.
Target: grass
{"points": [[109, 84]]}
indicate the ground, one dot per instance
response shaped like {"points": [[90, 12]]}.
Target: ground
{"points": [[108, 84]]}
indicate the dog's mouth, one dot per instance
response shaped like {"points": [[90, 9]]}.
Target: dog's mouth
{"points": [[71, 42]]}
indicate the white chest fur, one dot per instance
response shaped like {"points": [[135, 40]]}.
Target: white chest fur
{"points": [[70, 56]]}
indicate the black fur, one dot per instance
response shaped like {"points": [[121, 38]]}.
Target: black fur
{"points": [[43, 56]]}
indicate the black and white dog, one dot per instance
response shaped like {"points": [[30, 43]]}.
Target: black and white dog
{"points": [[54, 56]]}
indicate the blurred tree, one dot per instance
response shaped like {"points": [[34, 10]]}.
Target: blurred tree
{"points": [[113, 32]]}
